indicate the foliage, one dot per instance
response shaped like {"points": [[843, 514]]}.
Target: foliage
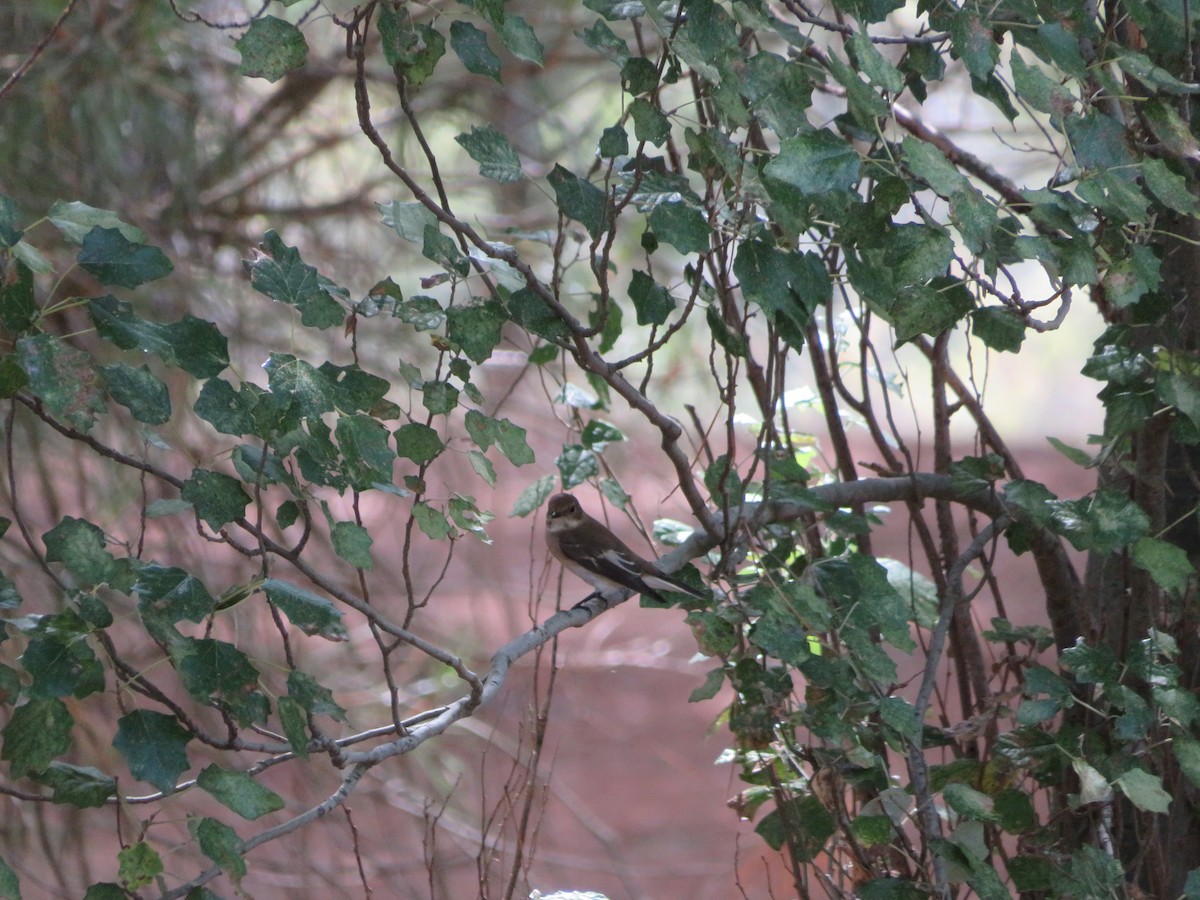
{"points": [[761, 188]]}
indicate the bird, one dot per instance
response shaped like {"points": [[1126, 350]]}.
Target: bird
{"points": [[588, 549]]}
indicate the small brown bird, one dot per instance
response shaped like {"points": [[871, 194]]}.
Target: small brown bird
{"points": [[588, 549]]}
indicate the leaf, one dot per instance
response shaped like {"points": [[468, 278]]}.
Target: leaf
{"points": [[10, 234], [511, 439], [367, 455], [418, 442], [60, 665], [816, 163], [1145, 791], [476, 329], [1169, 188], [576, 464], [495, 155], [441, 249], [653, 302], [279, 273], [139, 391], [970, 803], [579, 200], [600, 37], [80, 546], [613, 142], [533, 496], [138, 865], [111, 258], [76, 219], [353, 543], [439, 397], [172, 594], [407, 219], [217, 498], [617, 9], [532, 313], [649, 124], [471, 46], [681, 225], [62, 377], [1171, 129], [191, 344], [80, 786], [312, 696], [311, 613], [520, 40], [879, 70], [1167, 564], [598, 434], [295, 725], [431, 521], [1074, 454], [221, 844], [36, 732], [239, 792], [18, 309], [154, 746], [271, 48]]}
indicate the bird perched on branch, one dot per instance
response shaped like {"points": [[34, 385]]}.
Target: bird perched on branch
{"points": [[587, 548]]}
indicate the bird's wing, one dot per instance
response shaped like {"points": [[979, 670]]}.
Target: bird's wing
{"points": [[616, 564]]}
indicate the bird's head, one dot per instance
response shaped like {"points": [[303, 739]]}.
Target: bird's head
{"points": [[563, 511]]}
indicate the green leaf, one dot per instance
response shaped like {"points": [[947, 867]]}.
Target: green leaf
{"points": [[353, 543], [111, 258], [483, 466], [412, 51], [192, 344], [280, 273], [10, 233], [12, 376], [1170, 128], [598, 434], [295, 725], [713, 682], [217, 498], [613, 142], [173, 594], [1169, 188], [530, 311], [154, 746], [616, 9], [653, 302], [431, 521], [681, 225], [270, 49], [580, 200], [138, 866], [1105, 523], [311, 613], [999, 328], [519, 39], [970, 803], [80, 546], [649, 124], [816, 163], [221, 844], [1167, 564], [476, 329], [60, 665], [441, 249], [471, 46], [407, 219], [18, 309], [874, 65], [1187, 753], [1145, 791], [75, 220], [418, 442], [600, 37], [139, 391], [368, 456], [495, 155], [80, 786], [439, 397], [421, 312], [239, 792], [216, 671], [576, 464], [805, 825], [931, 166], [62, 377], [312, 696], [36, 732], [533, 496], [486, 431]]}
